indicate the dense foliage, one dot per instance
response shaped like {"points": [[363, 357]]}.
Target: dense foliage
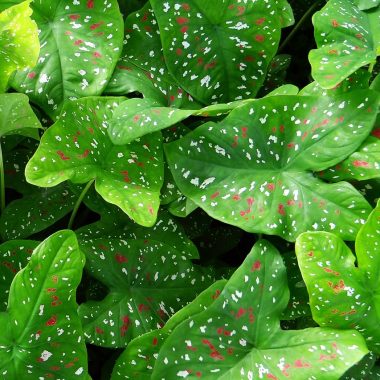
{"points": [[182, 196]]}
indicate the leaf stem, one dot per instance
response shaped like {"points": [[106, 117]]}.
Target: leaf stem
{"points": [[78, 203], [299, 24], [2, 182], [371, 66]]}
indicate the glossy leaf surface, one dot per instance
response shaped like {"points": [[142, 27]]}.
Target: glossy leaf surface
{"points": [[77, 147], [254, 169], [42, 335], [242, 327]]}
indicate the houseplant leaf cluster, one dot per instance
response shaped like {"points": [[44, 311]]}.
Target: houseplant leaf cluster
{"points": [[189, 189]]}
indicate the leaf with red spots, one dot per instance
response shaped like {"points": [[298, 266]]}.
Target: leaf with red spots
{"points": [[219, 52], [260, 161], [36, 211], [42, 334], [361, 165], [77, 148], [149, 280], [19, 43], [138, 359], [80, 46], [347, 39], [242, 327], [142, 67], [342, 294], [14, 255]]}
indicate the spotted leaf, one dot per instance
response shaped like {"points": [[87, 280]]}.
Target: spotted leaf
{"points": [[347, 39], [77, 147], [17, 117], [239, 335], [342, 294], [219, 52], [42, 335], [137, 360], [142, 67], [81, 42], [36, 211], [19, 43], [254, 169], [14, 255], [149, 280]]}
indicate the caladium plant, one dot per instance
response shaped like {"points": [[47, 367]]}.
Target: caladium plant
{"points": [[172, 137]]}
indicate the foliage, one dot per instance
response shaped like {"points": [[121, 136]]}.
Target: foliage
{"points": [[181, 196]]}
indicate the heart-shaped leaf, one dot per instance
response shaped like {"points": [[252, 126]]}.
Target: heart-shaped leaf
{"points": [[342, 294], [81, 42], [35, 212], [77, 147], [19, 43], [14, 255], [149, 280], [347, 39], [360, 165], [239, 335], [219, 52], [138, 358], [254, 169], [142, 67], [42, 335], [17, 117]]}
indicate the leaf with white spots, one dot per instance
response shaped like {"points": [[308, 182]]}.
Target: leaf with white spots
{"points": [[219, 52], [366, 4], [344, 295], [36, 211], [42, 335], [17, 117], [137, 360], [14, 255], [142, 66], [19, 43], [81, 42], [148, 281], [239, 336], [77, 148], [361, 165], [255, 168], [347, 39]]}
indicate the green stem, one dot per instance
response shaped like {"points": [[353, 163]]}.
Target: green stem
{"points": [[371, 67], [2, 182], [78, 203], [299, 24]]}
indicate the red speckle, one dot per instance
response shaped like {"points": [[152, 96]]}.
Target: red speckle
{"points": [[62, 155], [256, 266], [184, 29], [250, 201], [120, 258], [215, 195], [198, 374], [241, 10], [182, 20], [260, 21], [272, 377], [96, 54], [155, 341], [376, 133], [282, 128], [90, 4], [191, 348], [74, 17], [216, 295], [249, 58], [143, 307], [52, 321], [361, 164], [84, 154], [78, 42], [210, 65], [97, 25], [311, 254], [271, 186], [98, 330], [236, 197], [178, 51], [186, 7], [281, 209], [334, 23], [31, 75], [259, 38]]}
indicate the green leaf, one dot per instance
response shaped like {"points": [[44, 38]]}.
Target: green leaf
{"points": [[361, 165], [342, 294], [42, 336], [149, 280], [19, 43], [80, 45], [77, 147], [366, 4], [142, 67], [347, 39], [14, 255], [254, 169], [242, 327], [36, 211], [137, 360], [17, 117], [219, 52]]}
